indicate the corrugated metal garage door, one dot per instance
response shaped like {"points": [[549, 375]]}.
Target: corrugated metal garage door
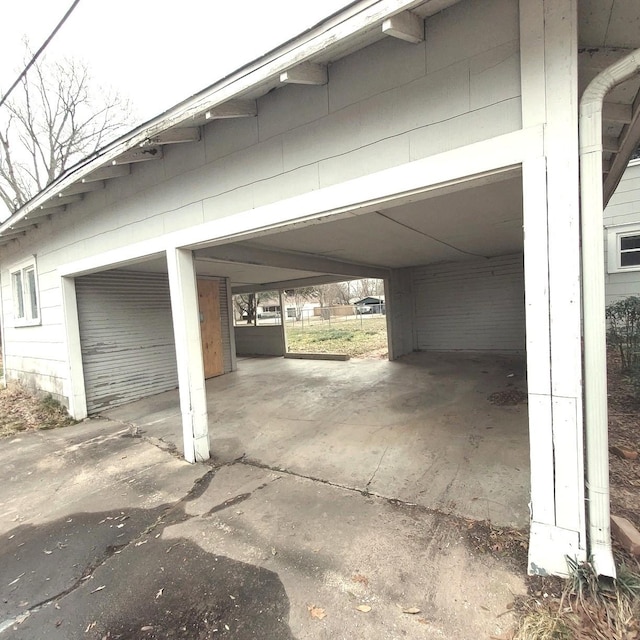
{"points": [[474, 305], [126, 335]]}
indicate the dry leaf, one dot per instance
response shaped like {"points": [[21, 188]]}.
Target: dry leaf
{"points": [[93, 624], [147, 628], [365, 608], [361, 579], [160, 592], [411, 610], [316, 612], [98, 589]]}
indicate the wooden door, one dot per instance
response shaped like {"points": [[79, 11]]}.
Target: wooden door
{"points": [[210, 327]]}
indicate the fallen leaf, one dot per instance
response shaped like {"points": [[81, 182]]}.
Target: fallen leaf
{"points": [[316, 612], [48, 552], [98, 589], [411, 610], [423, 621], [365, 608], [146, 628], [159, 593], [93, 624]]}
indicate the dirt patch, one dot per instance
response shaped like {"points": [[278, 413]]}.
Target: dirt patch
{"points": [[624, 431], [507, 544], [21, 410]]}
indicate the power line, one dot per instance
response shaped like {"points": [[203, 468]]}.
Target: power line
{"points": [[39, 51]]}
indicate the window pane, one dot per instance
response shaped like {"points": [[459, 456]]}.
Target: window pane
{"points": [[630, 242], [18, 299], [630, 258], [31, 289]]}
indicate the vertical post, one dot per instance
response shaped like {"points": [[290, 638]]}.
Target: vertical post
{"points": [[285, 347], [186, 328], [76, 392], [549, 77], [232, 325]]}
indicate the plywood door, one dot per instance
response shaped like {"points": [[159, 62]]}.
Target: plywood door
{"points": [[210, 327]]}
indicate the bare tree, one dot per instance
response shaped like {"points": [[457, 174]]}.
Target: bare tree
{"points": [[56, 117]]}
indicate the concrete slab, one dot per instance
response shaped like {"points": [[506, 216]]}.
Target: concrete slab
{"points": [[420, 429], [233, 552]]}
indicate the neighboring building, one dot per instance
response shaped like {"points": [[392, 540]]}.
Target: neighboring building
{"points": [[406, 140], [622, 237]]}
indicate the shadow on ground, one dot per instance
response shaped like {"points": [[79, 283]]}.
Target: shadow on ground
{"points": [[111, 575]]}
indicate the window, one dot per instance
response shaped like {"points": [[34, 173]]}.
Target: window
{"points": [[24, 282], [623, 245]]}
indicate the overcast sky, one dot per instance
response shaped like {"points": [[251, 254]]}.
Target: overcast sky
{"points": [[156, 53]]}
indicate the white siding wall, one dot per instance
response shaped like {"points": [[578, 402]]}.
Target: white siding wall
{"points": [[623, 209], [383, 106], [470, 305]]}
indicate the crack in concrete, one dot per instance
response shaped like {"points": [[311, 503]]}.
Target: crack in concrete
{"points": [[384, 453]]}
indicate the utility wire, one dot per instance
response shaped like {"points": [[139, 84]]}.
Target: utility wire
{"points": [[3, 99]]}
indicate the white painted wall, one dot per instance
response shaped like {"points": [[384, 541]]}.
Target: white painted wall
{"points": [[383, 106], [470, 305], [259, 341], [623, 210]]}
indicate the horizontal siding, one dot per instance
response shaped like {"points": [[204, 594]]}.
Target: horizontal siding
{"points": [[473, 305], [126, 335], [623, 209]]}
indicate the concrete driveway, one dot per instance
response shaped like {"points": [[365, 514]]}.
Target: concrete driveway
{"points": [[104, 535]]}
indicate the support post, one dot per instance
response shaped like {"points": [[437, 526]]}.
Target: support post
{"points": [[186, 328], [282, 322], [549, 77], [76, 392]]}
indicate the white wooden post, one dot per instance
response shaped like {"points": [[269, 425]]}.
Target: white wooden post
{"points": [[186, 329], [549, 74], [232, 324], [283, 327], [76, 392]]}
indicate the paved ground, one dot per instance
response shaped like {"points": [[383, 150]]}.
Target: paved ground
{"points": [[107, 536], [420, 429]]}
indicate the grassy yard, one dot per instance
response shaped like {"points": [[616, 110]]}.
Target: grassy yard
{"points": [[355, 337]]}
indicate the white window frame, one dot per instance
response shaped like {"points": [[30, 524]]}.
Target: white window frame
{"points": [[26, 318], [614, 250]]}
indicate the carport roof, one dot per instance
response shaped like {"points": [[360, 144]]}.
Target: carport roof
{"points": [[608, 29]]}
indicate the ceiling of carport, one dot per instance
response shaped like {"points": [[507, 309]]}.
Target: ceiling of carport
{"points": [[482, 221]]}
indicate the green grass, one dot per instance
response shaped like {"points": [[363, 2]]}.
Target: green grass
{"points": [[354, 337]]}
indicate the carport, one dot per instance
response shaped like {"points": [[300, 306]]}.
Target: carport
{"points": [[420, 428]]}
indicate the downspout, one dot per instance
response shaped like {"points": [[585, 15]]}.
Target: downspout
{"points": [[593, 303]]}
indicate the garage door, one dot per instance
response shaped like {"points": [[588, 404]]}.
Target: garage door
{"points": [[126, 336], [471, 305]]}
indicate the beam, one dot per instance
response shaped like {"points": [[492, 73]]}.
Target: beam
{"points": [[619, 113], [628, 144], [406, 26], [34, 218], [233, 109], [46, 211], [82, 187], [247, 254], [138, 155], [174, 136], [305, 73], [287, 284], [61, 201], [108, 172]]}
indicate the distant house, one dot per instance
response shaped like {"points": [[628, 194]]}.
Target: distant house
{"points": [[452, 148], [370, 305], [622, 237]]}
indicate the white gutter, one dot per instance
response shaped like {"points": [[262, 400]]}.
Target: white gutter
{"points": [[593, 305]]}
